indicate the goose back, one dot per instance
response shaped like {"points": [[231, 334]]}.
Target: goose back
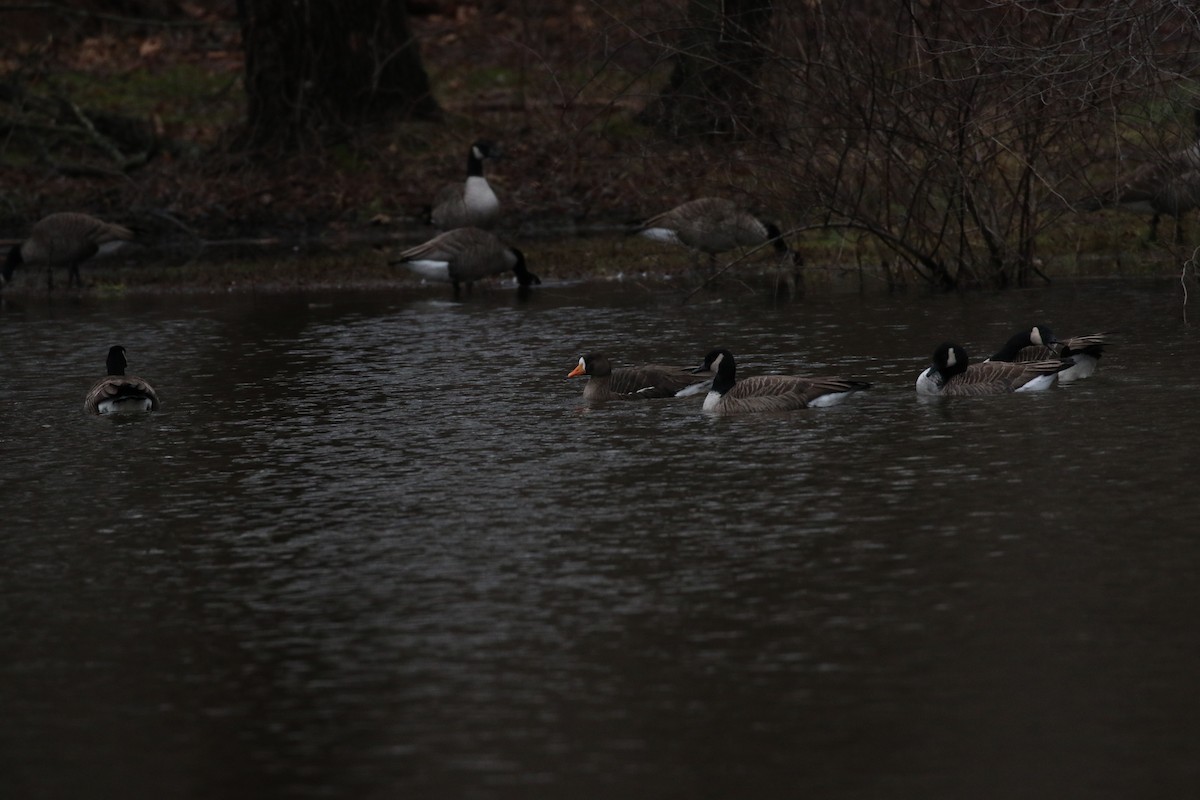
{"points": [[465, 255], [761, 393], [64, 240], [712, 225], [644, 382], [118, 392], [1040, 344], [952, 375]]}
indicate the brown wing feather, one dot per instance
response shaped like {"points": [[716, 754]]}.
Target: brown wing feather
{"points": [[117, 386], [998, 377], [782, 392]]}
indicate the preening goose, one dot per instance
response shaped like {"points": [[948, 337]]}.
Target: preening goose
{"points": [[63, 240], [469, 204], [464, 255], [1039, 343], [713, 225], [769, 392], [632, 383], [119, 392], [1169, 185], [952, 375]]}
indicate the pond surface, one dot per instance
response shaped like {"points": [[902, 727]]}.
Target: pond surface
{"points": [[373, 546]]}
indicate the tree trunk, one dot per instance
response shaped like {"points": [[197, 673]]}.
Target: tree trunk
{"points": [[313, 66], [713, 87]]}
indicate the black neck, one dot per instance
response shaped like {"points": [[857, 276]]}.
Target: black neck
{"points": [[13, 261], [474, 164]]}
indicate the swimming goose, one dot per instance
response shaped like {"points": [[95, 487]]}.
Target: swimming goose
{"points": [[1168, 186], [769, 392], [633, 383], [952, 375], [465, 255], [1040, 344], [63, 240], [713, 225], [469, 204], [120, 392]]}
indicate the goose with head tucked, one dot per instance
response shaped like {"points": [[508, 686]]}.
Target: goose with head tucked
{"points": [[118, 392], [952, 375], [634, 383], [714, 225], [472, 203], [769, 392], [63, 240], [1038, 343], [465, 255]]}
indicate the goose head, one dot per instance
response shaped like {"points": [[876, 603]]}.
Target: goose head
{"points": [[596, 365], [720, 362], [949, 359], [524, 277], [14, 260], [116, 361]]}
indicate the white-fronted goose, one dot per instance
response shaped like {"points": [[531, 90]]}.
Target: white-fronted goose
{"points": [[472, 203], [63, 240], [952, 375], [713, 225], [769, 392], [1039, 343], [120, 392], [465, 255], [632, 383]]}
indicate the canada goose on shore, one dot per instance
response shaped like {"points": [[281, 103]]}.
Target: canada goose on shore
{"points": [[633, 383], [120, 392], [769, 392], [469, 204], [63, 240], [1039, 343], [714, 225], [952, 375], [1169, 185], [464, 255]]}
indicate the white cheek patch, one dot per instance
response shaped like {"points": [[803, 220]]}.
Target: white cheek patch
{"points": [[951, 358], [1035, 336], [581, 364]]}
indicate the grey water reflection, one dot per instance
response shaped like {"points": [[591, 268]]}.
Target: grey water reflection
{"points": [[374, 546]]}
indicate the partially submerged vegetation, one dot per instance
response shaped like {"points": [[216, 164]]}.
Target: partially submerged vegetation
{"points": [[136, 123]]}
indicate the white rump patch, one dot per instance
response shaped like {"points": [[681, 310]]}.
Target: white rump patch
{"points": [[831, 399], [1085, 365], [430, 270], [1039, 384], [926, 384], [695, 389], [661, 235], [125, 405]]}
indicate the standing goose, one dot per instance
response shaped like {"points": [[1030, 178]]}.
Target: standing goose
{"points": [[1169, 185], [63, 240], [469, 204], [769, 392], [464, 255], [120, 392], [636, 383], [713, 225], [1040, 344], [952, 375]]}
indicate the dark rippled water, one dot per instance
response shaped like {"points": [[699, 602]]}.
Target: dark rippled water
{"points": [[373, 546]]}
